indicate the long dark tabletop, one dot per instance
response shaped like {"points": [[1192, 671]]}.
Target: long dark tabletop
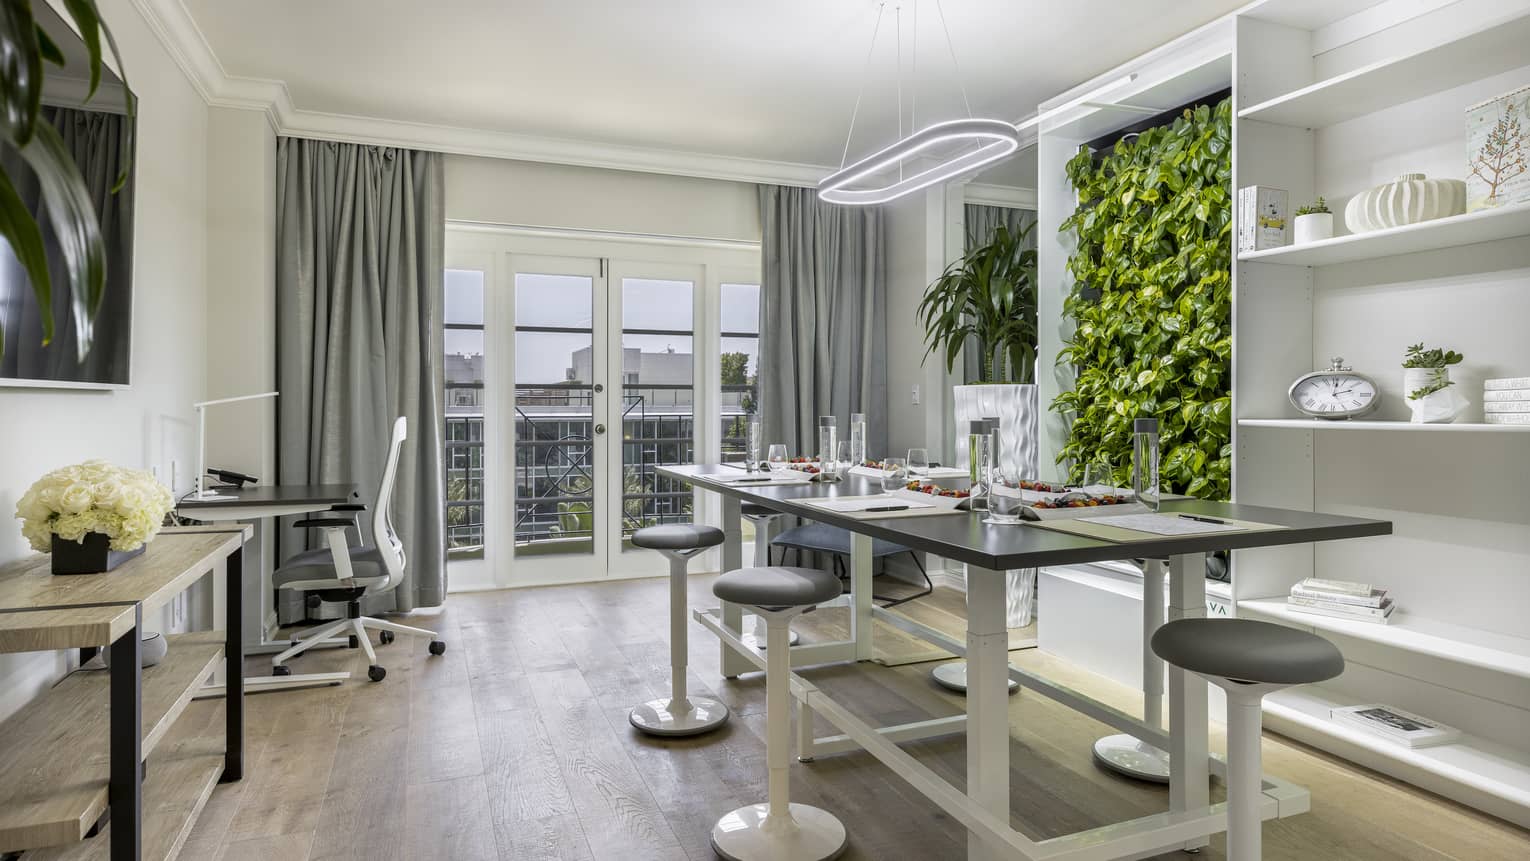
{"points": [[275, 494], [966, 538]]}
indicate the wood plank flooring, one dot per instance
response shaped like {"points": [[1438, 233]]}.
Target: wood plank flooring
{"points": [[515, 745]]}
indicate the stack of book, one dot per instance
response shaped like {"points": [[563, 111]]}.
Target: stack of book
{"points": [[1340, 599], [1506, 401]]}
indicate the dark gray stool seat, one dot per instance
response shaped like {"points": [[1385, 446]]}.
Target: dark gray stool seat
{"points": [[1248, 651], [677, 536], [777, 587], [754, 509]]}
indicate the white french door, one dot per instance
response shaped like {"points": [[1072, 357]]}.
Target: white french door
{"points": [[598, 367]]}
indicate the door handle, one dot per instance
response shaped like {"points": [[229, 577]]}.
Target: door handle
{"points": [[599, 388], [600, 429]]}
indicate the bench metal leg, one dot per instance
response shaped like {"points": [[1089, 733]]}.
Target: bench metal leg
{"points": [[125, 786]]}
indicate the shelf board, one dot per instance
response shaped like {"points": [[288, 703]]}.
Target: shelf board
{"points": [[1497, 652], [1362, 425], [1307, 14], [1485, 225], [1495, 776], [54, 753], [182, 775], [1499, 47]]}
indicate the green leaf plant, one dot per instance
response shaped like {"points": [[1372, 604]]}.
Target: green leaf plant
{"points": [[987, 299], [1151, 303], [24, 48]]}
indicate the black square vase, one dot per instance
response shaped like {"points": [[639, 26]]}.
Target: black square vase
{"points": [[94, 555]]}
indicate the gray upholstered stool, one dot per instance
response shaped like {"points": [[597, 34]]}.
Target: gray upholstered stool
{"points": [[1247, 659], [778, 829], [762, 518], [680, 714]]}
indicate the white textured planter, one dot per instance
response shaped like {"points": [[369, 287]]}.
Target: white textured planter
{"points": [[1314, 226], [1437, 408], [1410, 199], [1017, 408]]}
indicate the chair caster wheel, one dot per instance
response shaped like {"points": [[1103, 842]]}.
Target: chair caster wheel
{"points": [[355, 643], [385, 637], [281, 671], [437, 647], [376, 673]]}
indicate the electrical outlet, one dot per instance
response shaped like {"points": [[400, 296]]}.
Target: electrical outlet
{"points": [[914, 397]]}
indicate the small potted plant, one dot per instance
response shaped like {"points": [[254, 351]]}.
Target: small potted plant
{"points": [[1427, 384], [92, 516], [1313, 222]]}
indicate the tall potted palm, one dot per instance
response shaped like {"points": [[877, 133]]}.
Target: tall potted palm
{"points": [[986, 303]]}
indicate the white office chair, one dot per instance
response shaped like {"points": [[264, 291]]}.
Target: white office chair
{"points": [[339, 572]]}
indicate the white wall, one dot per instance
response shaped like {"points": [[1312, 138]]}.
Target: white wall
{"points": [[148, 425], [500, 191]]}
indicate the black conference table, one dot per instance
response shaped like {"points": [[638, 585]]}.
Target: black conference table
{"points": [[988, 552]]}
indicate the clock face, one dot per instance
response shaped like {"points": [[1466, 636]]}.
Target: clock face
{"points": [[1334, 394]]}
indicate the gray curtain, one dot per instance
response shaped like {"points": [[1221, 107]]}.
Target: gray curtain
{"points": [[823, 318], [982, 221], [360, 236]]}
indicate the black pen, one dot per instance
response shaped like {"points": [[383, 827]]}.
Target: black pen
{"points": [[751, 481], [887, 508], [1204, 519]]}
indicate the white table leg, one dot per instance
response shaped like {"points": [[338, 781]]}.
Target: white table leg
{"points": [[860, 595], [733, 664], [987, 702], [1189, 787]]}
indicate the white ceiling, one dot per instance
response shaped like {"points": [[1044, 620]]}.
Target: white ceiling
{"points": [[773, 80]]}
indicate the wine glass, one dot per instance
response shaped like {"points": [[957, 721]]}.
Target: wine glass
{"points": [[846, 459], [776, 456], [918, 462], [894, 474], [1005, 496], [1098, 476]]}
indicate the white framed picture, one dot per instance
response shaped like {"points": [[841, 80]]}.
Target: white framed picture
{"points": [[1394, 724]]}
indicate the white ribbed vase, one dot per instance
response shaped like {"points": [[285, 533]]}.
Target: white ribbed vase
{"points": [[1410, 199], [1017, 408]]}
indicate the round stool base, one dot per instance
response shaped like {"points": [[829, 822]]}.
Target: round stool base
{"points": [[754, 642], [1133, 757], [655, 718], [743, 835], [953, 676]]}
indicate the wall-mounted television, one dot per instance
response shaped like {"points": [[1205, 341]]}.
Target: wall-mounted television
{"points": [[92, 132]]}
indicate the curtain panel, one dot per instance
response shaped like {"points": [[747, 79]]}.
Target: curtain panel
{"points": [[360, 263], [823, 318]]}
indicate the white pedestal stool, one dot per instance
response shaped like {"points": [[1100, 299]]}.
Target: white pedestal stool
{"points": [[778, 830], [762, 518], [680, 714], [1247, 659]]}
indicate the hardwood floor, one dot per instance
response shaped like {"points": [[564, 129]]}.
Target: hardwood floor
{"points": [[515, 745]]}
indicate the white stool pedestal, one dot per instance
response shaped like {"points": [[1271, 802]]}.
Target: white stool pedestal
{"points": [[679, 715]]}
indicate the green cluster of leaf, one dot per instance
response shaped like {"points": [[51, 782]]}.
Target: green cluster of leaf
{"points": [[1440, 384], [24, 47], [1152, 303], [1418, 357], [988, 298], [1314, 208]]}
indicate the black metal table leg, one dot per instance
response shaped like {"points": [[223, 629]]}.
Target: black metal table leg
{"points": [[125, 731], [233, 697]]}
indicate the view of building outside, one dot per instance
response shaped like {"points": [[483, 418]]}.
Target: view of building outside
{"points": [[555, 453]]}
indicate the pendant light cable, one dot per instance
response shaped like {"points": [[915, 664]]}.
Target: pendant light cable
{"points": [[898, 63], [950, 47], [865, 76]]}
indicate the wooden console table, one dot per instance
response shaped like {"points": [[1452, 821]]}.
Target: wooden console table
{"points": [[98, 740]]}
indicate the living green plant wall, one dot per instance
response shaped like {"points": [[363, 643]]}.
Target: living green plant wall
{"points": [[1152, 302]]}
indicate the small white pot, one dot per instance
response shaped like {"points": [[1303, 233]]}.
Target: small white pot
{"points": [[1314, 226], [1438, 407]]}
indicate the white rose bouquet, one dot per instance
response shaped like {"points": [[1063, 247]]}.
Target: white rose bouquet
{"points": [[126, 505]]}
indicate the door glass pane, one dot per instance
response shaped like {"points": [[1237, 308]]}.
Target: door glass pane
{"points": [[658, 400], [740, 317], [555, 462], [464, 413]]}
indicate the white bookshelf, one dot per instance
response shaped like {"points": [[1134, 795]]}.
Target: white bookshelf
{"points": [[1456, 643], [1498, 46], [1330, 105], [1486, 774], [1363, 425], [1485, 225]]}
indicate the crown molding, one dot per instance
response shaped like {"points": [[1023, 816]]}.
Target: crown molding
{"points": [[1000, 195], [179, 33]]}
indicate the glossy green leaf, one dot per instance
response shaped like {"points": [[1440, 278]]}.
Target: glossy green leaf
{"points": [[21, 231]]}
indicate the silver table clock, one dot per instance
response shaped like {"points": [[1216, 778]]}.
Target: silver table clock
{"points": [[1335, 393]]}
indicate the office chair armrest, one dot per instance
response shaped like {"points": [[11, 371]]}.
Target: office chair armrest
{"points": [[324, 523]]}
